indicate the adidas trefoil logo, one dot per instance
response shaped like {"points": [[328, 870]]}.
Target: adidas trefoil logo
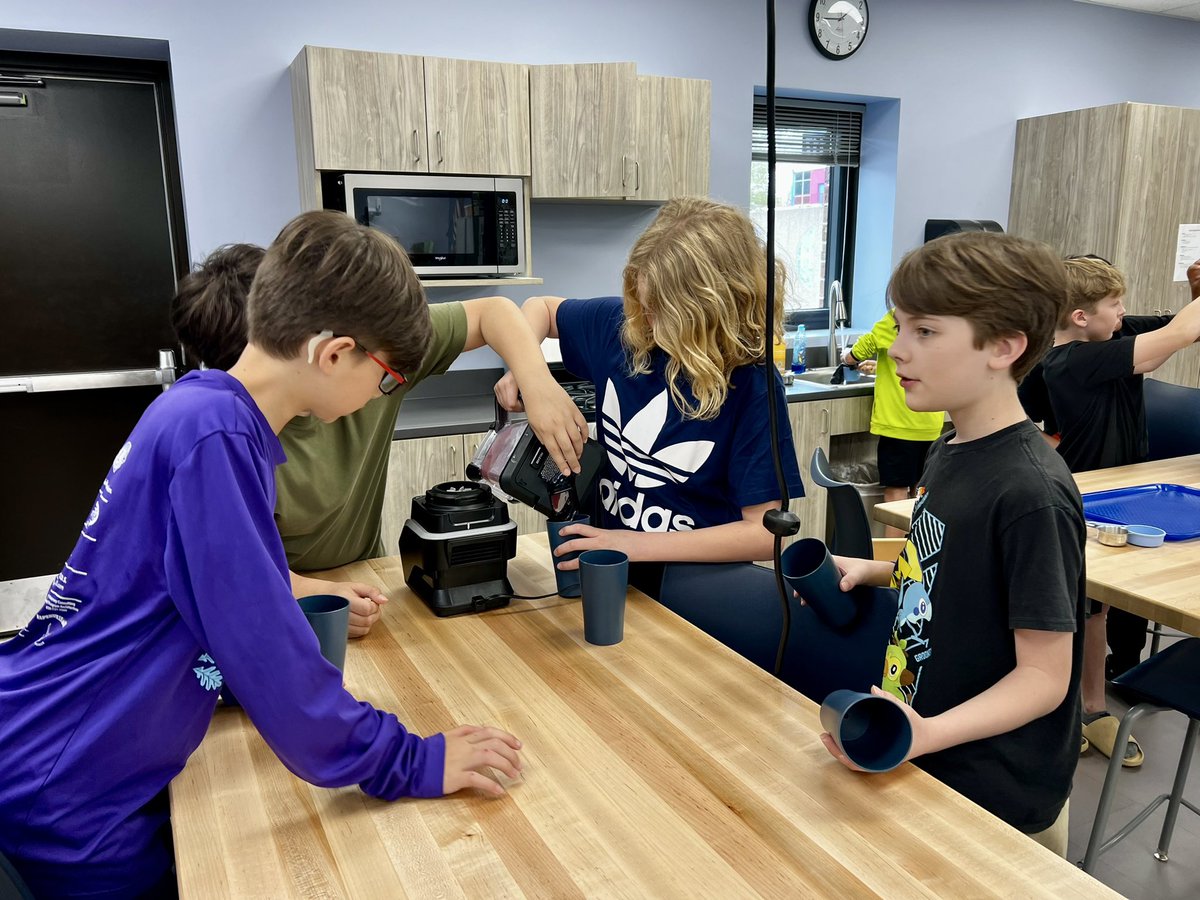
{"points": [[631, 446]]}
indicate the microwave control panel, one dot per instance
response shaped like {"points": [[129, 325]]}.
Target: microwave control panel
{"points": [[506, 229]]}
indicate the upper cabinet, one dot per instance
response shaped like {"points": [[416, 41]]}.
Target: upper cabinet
{"points": [[601, 131], [478, 115], [383, 112], [1116, 181], [672, 138]]}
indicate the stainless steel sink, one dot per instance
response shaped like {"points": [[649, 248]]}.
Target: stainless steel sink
{"points": [[821, 377]]}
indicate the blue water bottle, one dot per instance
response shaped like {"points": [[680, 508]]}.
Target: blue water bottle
{"points": [[799, 346]]}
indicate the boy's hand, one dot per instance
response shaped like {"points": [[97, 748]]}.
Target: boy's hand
{"points": [[589, 537], [914, 719], [1193, 277], [365, 603], [867, 366], [854, 571], [556, 421], [470, 748], [507, 394]]}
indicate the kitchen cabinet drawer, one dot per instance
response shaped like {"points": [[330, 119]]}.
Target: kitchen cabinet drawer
{"points": [[851, 415]]}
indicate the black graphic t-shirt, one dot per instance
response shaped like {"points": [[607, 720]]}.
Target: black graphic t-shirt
{"points": [[996, 545]]}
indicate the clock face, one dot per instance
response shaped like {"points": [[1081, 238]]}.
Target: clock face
{"points": [[838, 27]]}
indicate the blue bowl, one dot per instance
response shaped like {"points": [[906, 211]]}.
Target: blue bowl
{"points": [[1145, 535]]}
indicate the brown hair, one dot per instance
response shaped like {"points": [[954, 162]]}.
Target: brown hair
{"points": [[1001, 284], [208, 311], [1089, 280], [325, 271], [701, 270]]}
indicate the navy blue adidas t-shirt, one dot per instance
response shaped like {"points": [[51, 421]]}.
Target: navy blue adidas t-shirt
{"points": [[664, 472]]}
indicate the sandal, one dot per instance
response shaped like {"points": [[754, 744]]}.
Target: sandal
{"points": [[1102, 734]]}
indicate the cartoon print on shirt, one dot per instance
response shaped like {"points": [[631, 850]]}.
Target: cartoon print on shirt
{"points": [[914, 576], [633, 455]]}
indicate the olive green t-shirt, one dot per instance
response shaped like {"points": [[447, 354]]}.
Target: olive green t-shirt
{"points": [[330, 490]]}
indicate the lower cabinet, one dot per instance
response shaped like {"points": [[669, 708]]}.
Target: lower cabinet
{"points": [[812, 424]]}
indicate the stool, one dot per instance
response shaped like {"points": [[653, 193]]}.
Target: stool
{"points": [[1168, 681]]}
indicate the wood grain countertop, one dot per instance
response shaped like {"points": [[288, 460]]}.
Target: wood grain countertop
{"points": [[663, 766]]}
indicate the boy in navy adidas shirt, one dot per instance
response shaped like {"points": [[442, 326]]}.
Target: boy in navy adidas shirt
{"points": [[179, 583], [681, 392]]}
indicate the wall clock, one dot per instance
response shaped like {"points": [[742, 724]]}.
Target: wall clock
{"points": [[837, 27]]}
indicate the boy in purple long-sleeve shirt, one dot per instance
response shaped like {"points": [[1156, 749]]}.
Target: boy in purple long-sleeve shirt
{"points": [[178, 584]]}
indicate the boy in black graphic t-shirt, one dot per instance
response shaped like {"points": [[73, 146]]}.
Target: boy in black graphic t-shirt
{"points": [[988, 635]]}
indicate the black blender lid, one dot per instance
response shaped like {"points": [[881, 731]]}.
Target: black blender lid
{"points": [[453, 495]]}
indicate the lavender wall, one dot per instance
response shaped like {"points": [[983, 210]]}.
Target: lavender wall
{"points": [[949, 79]]}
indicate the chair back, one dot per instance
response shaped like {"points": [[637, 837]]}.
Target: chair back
{"points": [[12, 886], [851, 525], [1172, 419], [739, 605]]}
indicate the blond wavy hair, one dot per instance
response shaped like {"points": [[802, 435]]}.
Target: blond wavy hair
{"points": [[696, 286]]}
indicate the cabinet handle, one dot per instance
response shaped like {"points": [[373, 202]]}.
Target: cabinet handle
{"points": [[637, 176], [416, 146], [1167, 312], [441, 152], [1158, 312], [624, 167], [826, 416]]}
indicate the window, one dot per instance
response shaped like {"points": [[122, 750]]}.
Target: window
{"points": [[816, 183]]}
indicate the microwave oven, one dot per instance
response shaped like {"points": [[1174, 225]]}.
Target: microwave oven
{"points": [[450, 225]]}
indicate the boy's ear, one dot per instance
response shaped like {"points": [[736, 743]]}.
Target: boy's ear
{"points": [[1006, 350], [331, 350], [1079, 318]]}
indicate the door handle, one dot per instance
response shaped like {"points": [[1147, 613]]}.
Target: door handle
{"points": [[441, 149], [13, 98], [624, 167], [90, 381], [637, 176], [416, 147]]}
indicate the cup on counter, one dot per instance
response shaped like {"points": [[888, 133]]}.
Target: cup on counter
{"points": [[329, 616], [604, 578], [567, 583], [1113, 535], [872, 731], [810, 571]]}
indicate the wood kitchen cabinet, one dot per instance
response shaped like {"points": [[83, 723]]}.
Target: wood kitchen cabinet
{"points": [[582, 136], [1116, 181], [812, 424], [414, 466], [672, 140], [385, 112]]}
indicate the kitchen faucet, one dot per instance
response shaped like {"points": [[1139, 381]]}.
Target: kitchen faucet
{"points": [[837, 317]]}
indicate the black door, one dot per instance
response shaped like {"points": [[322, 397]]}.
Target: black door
{"points": [[90, 250]]}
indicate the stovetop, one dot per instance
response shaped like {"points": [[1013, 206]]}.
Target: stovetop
{"points": [[582, 392]]}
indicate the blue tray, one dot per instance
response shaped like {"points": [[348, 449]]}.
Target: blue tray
{"points": [[1172, 507]]}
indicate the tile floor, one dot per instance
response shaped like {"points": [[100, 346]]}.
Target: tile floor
{"points": [[1130, 867]]}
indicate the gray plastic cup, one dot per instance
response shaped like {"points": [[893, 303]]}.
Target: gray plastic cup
{"points": [[566, 582], [604, 577], [329, 616], [872, 731], [810, 571]]}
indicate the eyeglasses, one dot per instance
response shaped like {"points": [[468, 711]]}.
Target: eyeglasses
{"points": [[388, 383], [391, 379]]}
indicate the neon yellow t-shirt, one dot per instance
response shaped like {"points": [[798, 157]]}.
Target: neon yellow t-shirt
{"points": [[890, 415], [330, 491]]}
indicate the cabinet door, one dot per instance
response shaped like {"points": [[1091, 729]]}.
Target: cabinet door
{"points": [[529, 520], [581, 137], [811, 422], [414, 466], [478, 115], [367, 110], [672, 135]]}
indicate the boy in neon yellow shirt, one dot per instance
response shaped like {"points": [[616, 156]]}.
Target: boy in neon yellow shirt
{"points": [[904, 436]]}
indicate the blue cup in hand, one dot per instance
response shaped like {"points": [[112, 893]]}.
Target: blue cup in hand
{"points": [[872, 731], [329, 616], [567, 583], [810, 571]]}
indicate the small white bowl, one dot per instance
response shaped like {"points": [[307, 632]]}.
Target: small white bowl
{"points": [[1145, 535]]}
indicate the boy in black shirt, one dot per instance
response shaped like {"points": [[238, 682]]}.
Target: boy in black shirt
{"points": [[1093, 381], [991, 581]]}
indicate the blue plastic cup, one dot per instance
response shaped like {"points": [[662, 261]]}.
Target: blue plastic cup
{"points": [[567, 582], [810, 571], [872, 731], [329, 616], [604, 577]]}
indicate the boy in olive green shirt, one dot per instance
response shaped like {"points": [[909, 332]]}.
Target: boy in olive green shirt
{"points": [[904, 436], [330, 491]]}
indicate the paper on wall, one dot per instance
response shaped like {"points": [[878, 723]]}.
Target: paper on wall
{"points": [[1187, 251]]}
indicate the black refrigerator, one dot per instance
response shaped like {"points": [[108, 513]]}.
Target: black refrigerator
{"points": [[91, 246]]}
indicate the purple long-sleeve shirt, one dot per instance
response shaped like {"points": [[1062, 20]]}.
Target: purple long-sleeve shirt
{"points": [[177, 585]]}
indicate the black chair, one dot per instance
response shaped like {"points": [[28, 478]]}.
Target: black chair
{"points": [[12, 886], [1166, 681], [851, 525], [1172, 419], [738, 604]]}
